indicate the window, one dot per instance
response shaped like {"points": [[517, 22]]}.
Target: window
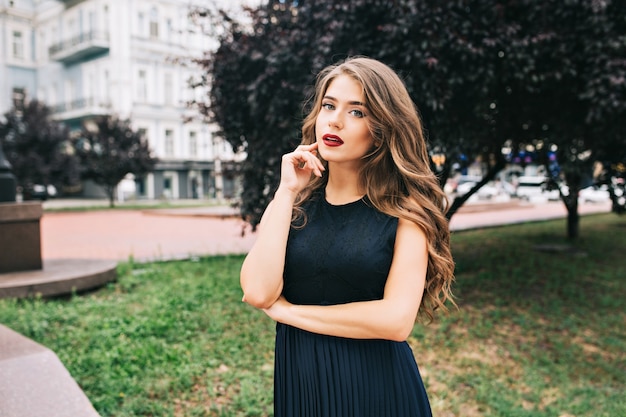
{"points": [[53, 97], [93, 25], [154, 23], [142, 86], [140, 23], [168, 88], [18, 44], [106, 86], [169, 29], [70, 94], [90, 88], [43, 47], [193, 144], [168, 181], [71, 32], [169, 142], [216, 147], [19, 98], [143, 134]]}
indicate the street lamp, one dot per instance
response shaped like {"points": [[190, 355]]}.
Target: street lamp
{"points": [[7, 179]]}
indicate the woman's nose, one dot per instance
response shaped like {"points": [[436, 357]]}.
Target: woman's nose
{"points": [[335, 121]]}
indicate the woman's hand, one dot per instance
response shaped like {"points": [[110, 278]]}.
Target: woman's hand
{"points": [[297, 167], [262, 271]]}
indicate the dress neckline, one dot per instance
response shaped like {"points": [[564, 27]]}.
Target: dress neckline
{"points": [[348, 204]]}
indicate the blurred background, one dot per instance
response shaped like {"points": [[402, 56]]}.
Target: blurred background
{"points": [[181, 99]]}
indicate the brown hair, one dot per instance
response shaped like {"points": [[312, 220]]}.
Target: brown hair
{"points": [[396, 175]]}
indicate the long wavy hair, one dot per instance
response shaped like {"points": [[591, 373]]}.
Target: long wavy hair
{"points": [[396, 175]]}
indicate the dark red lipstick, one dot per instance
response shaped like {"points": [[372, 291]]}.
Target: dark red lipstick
{"points": [[332, 140]]}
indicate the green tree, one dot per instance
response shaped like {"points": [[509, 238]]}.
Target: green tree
{"points": [[109, 150], [38, 148]]}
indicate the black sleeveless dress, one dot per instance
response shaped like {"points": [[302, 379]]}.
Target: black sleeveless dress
{"points": [[342, 255]]}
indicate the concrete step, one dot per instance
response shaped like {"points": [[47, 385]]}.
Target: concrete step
{"points": [[34, 382]]}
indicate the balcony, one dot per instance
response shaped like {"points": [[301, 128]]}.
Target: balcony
{"points": [[70, 3], [81, 109], [80, 48]]}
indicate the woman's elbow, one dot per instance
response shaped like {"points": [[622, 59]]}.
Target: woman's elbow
{"points": [[401, 334], [259, 296], [400, 329], [260, 301], [397, 334]]}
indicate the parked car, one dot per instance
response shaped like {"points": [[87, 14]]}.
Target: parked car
{"points": [[486, 192], [39, 192], [536, 188], [594, 194], [465, 183]]}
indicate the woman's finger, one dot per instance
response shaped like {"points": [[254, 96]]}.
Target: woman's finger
{"points": [[310, 147]]}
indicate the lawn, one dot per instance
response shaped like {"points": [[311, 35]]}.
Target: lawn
{"points": [[541, 331]]}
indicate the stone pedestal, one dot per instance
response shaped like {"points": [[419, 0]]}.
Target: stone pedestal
{"points": [[20, 236]]}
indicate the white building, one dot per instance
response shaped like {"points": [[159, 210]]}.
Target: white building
{"points": [[86, 58]]}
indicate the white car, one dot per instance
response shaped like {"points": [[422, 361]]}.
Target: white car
{"points": [[535, 188], [594, 194]]}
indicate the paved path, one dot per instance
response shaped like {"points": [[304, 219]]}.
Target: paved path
{"points": [[473, 216], [165, 234], [142, 235]]}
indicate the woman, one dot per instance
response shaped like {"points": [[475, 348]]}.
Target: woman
{"points": [[353, 245]]}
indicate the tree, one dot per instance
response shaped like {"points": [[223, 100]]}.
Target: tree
{"points": [[447, 52], [483, 73], [578, 95], [38, 148], [109, 150], [467, 66], [258, 106]]}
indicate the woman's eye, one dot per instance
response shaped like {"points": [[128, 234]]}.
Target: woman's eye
{"points": [[328, 106], [357, 113]]}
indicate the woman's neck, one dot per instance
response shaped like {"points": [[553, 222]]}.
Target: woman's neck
{"points": [[343, 186]]}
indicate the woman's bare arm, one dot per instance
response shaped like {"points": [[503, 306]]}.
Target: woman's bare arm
{"points": [[261, 276], [392, 317]]}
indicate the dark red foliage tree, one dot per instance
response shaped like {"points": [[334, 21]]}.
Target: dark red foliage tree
{"points": [[482, 73], [109, 150], [38, 148]]}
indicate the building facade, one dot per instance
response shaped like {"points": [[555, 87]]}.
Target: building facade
{"points": [[88, 58]]}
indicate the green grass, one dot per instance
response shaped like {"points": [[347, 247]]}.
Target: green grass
{"points": [[538, 333]]}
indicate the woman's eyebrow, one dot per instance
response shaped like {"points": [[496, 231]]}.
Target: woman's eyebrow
{"points": [[353, 103]]}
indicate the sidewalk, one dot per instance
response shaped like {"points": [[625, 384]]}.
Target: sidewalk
{"points": [[179, 233], [521, 212], [144, 235]]}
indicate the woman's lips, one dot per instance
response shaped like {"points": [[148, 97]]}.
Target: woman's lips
{"points": [[332, 140]]}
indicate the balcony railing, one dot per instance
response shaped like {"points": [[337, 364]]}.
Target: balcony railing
{"points": [[80, 47], [81, 108], [70, 3]]}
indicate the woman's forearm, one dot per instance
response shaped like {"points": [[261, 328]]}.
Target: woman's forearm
{"points": [[261, 275], [392, 317], [378, 319]]}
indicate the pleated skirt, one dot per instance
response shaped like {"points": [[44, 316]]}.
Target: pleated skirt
{"points": [[325, 376]]}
